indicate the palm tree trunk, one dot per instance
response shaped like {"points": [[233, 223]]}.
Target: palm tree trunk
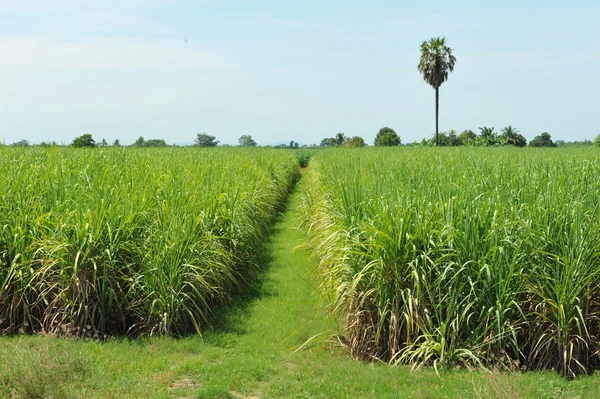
{"points": [[437, 112]]}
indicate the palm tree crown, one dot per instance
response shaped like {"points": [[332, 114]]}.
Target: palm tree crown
{"points": [[340, 139], [510, 132], [436, 61], [513, 137]]}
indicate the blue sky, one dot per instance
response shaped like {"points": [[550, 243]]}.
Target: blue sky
{"points": [[302, 71]]}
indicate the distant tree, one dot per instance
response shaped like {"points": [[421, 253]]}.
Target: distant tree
{"points": [[46, 144], [520, 141], [467, 136], [103, 143], [597, 140], [487, 132], [442, 140], [509, 133], [435, 63], [139, 142], [387, 137], [489, 138], [84, 140], [354, 142], [453, 139], [512, 137], [339, 139], [205, 140], [116, 143], [21, 143], [575, 143], [543, 140], [155, 143], [247, 141], [143, 143], [327, 142], [446, 139]]}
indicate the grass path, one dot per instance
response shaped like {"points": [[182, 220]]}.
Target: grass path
{"points": [[250, 353]]}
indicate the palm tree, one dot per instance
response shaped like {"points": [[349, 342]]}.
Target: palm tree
{"points": [[340, 139], [510, 134], [436, 61], [513, 137]]}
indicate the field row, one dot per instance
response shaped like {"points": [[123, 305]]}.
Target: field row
{"points": [[461, 257], [125, 241]]}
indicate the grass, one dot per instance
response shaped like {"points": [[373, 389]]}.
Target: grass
{"points": [[251, 352]]}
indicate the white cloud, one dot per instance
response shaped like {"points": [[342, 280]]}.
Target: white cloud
{"points": [[40, 53]]}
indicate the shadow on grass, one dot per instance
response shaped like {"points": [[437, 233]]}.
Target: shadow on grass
{"points": [[230, 317]]}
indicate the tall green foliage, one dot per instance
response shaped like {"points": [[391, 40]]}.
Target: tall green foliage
{"points": [[127, 241], [493, 262]]}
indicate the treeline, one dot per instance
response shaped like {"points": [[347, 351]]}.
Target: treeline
{"points": [[86, 140], [509, 136], [487, 137], [386, 137]]}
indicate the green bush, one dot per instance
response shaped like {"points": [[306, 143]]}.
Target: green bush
{"points": [[303, 158], [387, 137]]}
